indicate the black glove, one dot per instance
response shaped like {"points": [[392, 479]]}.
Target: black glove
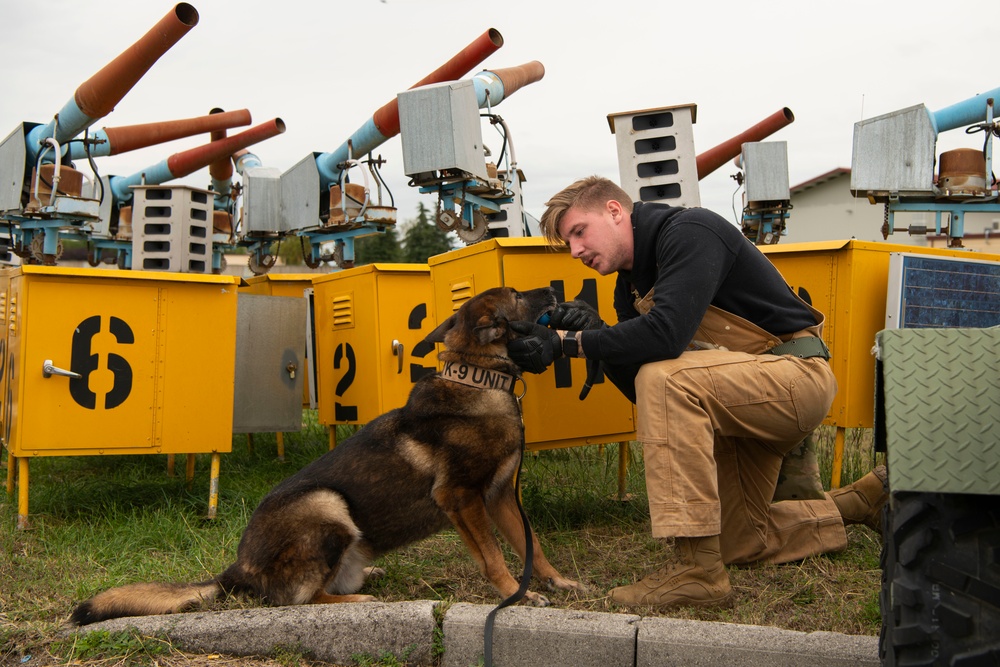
{"points": [[575, 316], [538, 347]]}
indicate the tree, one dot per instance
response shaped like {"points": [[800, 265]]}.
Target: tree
{"points": [[382, 247], [289, 250], [423, 238]]}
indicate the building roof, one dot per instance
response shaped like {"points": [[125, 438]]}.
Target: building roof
{"points": [[819, 180]]}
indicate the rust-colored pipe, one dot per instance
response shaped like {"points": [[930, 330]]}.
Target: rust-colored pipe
{"points": [[493, 87], [714, 158], [97, 96], [387, 117], [190, 161], [384, 123], [221, 169], [514, 78], [133, 137], [187, 162]]}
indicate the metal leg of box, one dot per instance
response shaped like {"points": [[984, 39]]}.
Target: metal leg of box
{"points": [[622, 468], [11, 462], [332, 431], [189, 471], [280, 437], [22, 493], [213, 486], [250, 443], [839, 437], [170, 465]]}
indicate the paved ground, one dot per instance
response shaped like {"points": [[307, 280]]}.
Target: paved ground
{"points": [[523, 637]]}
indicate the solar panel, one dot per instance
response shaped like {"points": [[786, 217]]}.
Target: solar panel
{"points": [[938, 292]]}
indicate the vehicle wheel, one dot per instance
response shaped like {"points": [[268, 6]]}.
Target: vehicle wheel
{"points": [[941, 580], [885, 649]]}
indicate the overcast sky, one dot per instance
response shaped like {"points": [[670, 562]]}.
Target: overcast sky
{"points": [[325, 67]]}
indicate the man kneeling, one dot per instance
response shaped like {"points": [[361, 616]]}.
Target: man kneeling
{"points": [[728, 371]]}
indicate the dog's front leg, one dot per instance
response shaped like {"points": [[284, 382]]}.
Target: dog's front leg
{"points": [[507, 518], [468, 513]]}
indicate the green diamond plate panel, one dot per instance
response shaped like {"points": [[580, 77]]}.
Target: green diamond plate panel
{"points": [[942, 408]]}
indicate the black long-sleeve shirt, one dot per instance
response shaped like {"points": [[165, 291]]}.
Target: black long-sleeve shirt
{"points": [[693, 258]]}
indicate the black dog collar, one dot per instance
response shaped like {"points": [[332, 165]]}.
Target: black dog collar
{"points": [[476, 376]]}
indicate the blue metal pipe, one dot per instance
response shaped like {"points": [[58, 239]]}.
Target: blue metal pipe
{"points": [[489, 89], [244, 160], [967, 112], [366, 139], [71, 121], [121, 186]]}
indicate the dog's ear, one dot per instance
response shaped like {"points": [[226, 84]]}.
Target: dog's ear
{"points": [[437, 336], [489, 329]]}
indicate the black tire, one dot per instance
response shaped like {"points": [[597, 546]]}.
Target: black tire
{"points": [[884, 599], [941, 580]]}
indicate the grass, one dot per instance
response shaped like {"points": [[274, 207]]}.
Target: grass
{"points": [[98, 522]]}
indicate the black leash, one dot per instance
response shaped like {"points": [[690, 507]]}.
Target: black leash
{"points": [[529, 553]]}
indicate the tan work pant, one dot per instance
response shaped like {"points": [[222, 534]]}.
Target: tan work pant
{"points": [[715, 425]]}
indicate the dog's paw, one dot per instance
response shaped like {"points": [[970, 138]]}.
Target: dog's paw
{"points": [[536, 599], [374, 572], [562, 583]]}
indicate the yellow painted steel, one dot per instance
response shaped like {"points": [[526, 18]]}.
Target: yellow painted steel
{"points": [[155, 352], [11, 464], [22, 493], [848, 282], [213, 486], [554, 415], [369, 322]]}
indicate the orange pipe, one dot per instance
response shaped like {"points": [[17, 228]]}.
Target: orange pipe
{"points": [[514, 78], [387, 118], [714, 158], [97, 96], [132, 137], [190, 161], [221, 169]]}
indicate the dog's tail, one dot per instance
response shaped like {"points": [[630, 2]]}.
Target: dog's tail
{"points": [[148, 599]]}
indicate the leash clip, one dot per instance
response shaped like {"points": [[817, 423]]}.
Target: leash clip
{"points": [[523, 391], [518, 397]]}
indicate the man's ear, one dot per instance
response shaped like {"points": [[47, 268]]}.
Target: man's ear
{"points": [[615, 208]]}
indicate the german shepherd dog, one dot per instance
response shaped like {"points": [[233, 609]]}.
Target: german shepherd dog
{"points": [[449, 455]]}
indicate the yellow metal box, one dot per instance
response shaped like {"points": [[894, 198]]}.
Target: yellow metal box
{"points": [[369, 322], [848, 282], [113, 362], [154, 353], [554, 415]]}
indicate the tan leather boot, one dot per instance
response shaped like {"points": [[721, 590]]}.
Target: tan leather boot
{"points": [[862, 502], [694, 576]]}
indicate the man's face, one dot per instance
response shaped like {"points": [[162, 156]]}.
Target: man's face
{"points": [[599, 237]]}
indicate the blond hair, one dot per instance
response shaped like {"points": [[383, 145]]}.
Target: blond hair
{"points": [[586, 194]]}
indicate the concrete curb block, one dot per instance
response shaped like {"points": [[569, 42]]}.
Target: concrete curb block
{"points": [[523, 637], [527, 636], [332, 633], [531, 636], [665, 642]]}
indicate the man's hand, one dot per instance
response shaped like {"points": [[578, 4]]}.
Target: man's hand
{"points": [[575, 315], [538, 347]]}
